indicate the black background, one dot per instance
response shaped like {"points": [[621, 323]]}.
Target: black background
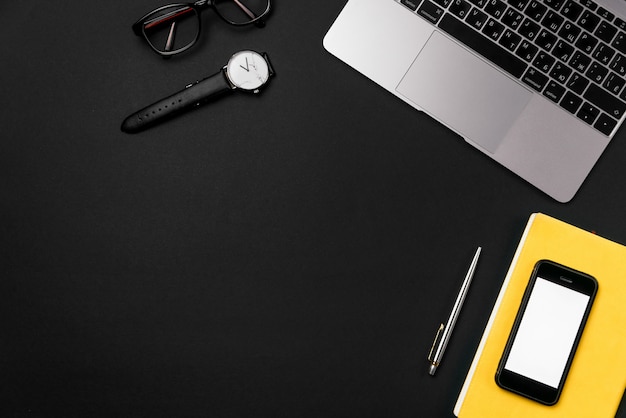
{"points": [[290, 254]]}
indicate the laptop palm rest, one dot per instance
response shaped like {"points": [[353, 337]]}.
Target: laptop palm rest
{"points": [[472, 97]]}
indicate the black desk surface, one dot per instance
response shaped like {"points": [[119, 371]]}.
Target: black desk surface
{"points": [[283, 255]]}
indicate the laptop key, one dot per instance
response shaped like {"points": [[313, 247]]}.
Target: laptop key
{"points": [[555, 4], [588, 21], [605, 101], [604, 53], [596, 72], [535, 79], [510, 40], [614, 83], [543, 61], [605, 14], [545, 40], [512, 18], [483, 46], [443, 3], [526, 51], [571, 102], [569, 32], [535, 10], [572, 10], [430, 12], [580, 62], [493, 29], [554, 91], [563, 50], [619, 65], [577, 83], [605, 124], [518, 4], [529, 29], [560, 72], [479, 3], [588, 113], [552, 21], [586, 43], [411, 4], [460, 8], [476, 19], [589, 4], [495, 8], [619, 42], [605, 31]]}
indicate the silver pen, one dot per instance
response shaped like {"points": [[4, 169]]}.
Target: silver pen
{"points": [[443, 333]]}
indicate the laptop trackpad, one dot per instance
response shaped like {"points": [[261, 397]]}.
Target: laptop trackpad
{"points": [[463, 92]]}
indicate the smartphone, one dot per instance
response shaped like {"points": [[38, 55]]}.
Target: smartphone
{"points": [[546, 332]]}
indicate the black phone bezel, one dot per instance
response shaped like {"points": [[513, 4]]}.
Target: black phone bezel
{"points": [[569, 278]]}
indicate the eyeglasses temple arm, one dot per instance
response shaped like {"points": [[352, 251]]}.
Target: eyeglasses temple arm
{"points": [[174, 14], [247, 11], [169, 43]]}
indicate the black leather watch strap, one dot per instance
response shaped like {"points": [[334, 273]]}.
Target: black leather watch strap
{"points": [[193, 95]]}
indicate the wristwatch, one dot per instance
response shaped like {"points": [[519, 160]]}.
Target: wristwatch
{"points": [[247, 71]]}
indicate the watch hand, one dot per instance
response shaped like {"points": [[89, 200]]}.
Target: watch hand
{"points": [[247, 67]]}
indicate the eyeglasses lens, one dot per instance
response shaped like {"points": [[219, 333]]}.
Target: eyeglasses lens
{"points": [[241, 12], [172, 29]]}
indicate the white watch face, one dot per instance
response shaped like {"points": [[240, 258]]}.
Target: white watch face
{"points": [[247, 70]]}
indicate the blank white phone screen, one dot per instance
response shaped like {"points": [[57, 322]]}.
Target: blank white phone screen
{"points": [[547, 332]]}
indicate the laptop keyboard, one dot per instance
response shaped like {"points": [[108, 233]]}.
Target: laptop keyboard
{"points": [[571, 51]]}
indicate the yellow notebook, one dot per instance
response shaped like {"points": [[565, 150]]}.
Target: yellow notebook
{"points": [[597, 378]]}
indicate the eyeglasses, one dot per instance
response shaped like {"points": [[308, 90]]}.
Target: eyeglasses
{"points": [[172, 29]]}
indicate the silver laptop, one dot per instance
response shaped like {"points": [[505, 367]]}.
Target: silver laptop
{"points": [[537, 85]]}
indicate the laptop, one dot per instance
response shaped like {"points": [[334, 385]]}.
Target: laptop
{"points": [[537, 85]]}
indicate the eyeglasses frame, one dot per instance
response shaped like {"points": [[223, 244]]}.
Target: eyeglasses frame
{"points": [[139, 27]]}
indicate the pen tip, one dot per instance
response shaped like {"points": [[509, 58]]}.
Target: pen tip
{"points": [[432, 369]]}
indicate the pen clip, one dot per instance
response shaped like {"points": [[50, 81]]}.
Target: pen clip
{"points": [[435, 343]]}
